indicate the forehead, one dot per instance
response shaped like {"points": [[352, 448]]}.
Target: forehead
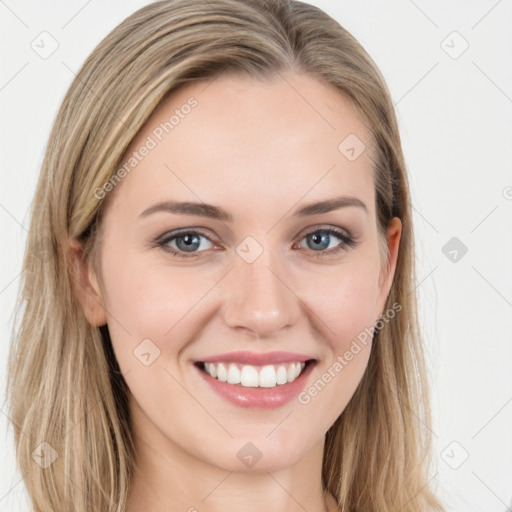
{"points": [[248, 140]]}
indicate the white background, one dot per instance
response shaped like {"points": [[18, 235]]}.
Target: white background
{"points": [[455, 118]]}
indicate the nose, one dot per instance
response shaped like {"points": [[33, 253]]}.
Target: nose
{"points": [[260, 300]]}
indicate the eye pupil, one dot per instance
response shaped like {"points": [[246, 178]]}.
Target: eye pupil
{"points": [[190, 241], [321, 239]]}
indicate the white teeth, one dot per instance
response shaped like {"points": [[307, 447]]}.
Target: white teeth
{"points": [[267, 376], [222, 373], [233, 374], [291, 372], [249, 377], [281, 376], [212, 370]]}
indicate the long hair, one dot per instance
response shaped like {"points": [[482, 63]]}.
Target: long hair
{"points": [[64, 386]]}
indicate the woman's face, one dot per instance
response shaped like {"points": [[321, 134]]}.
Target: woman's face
{"points": [[210, 254]]}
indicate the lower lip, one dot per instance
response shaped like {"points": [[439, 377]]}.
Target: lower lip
{"points": [[258, 398]]}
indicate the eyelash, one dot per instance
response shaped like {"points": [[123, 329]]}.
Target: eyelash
{"points": [[346, 242]]}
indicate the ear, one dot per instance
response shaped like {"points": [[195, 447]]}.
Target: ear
{"points": [[393, 234], [87, 287]]}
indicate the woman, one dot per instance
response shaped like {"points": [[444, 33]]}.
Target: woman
{"points": [[225, 317]]}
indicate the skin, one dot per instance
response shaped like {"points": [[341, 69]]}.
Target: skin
{"points": [[259, 150]]}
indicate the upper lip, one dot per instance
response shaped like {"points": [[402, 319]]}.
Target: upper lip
{"points": [[257, 358]]}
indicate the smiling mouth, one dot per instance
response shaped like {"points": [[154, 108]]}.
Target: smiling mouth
{"points": [[251, 376]]}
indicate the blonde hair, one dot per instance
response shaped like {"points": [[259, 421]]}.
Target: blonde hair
{"points": [[64, 385]]}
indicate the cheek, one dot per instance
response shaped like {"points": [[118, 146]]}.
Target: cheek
{"points": [[345, 301], [354, 310], [152, 297], [348, 310], [151, 302]]}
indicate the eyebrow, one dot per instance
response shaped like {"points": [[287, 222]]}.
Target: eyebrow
{"points": [[215, 212]]}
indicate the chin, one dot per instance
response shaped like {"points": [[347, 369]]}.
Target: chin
{"points": [[260, 454]]}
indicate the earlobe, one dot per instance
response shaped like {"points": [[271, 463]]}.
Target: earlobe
{"points": [[86, 287]]}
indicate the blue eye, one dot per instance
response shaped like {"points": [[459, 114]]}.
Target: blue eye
{"points": [[188, 243], [321, 239]]}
